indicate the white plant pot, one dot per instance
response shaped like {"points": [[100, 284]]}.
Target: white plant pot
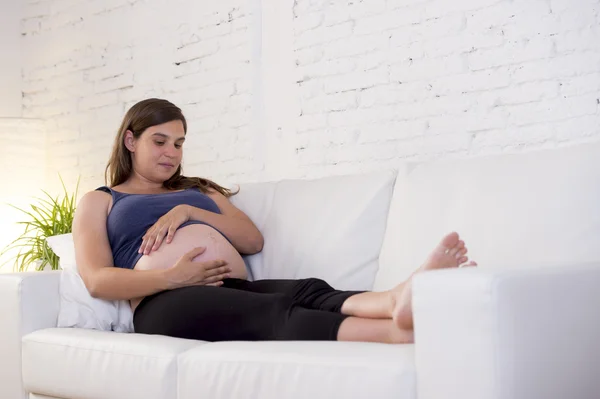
{"points": [[34, 266]]}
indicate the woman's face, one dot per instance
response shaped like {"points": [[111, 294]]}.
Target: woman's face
{"points": [[157, 153]]}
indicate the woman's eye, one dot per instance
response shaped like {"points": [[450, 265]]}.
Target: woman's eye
{"points": [[178, 146], [159, 142]]}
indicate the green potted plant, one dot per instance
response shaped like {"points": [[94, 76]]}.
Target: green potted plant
{"points": [[48, 217]]}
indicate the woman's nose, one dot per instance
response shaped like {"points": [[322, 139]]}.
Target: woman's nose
{"points": [[171, 152]]}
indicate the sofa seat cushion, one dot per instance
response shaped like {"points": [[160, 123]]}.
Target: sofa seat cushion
{"points": [[292, 369], [90, 364]]}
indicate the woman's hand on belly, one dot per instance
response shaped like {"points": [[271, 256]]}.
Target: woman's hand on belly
{"points": [[189, 237], [187, 272], [164, 227]]}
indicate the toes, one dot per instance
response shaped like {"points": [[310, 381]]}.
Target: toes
{"points": [[462, 260], [450, 241], [470, 264], [459, 246], [462, 252]]}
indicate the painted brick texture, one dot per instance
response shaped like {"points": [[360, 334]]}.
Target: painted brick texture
{"points": [[385, 80], [86, 63], [22, 167], [372, 83]]}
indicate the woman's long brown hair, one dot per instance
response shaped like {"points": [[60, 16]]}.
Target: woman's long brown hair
{"points": [[141, 116]]}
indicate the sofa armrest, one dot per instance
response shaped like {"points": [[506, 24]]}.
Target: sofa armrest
{"points": [[28, 302], [508, 334]]}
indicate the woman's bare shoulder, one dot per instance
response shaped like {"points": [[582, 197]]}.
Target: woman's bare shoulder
{"points": [[96, 195], [94, 201]]}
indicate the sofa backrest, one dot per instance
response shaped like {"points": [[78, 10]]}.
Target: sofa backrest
{"points": [[331, 228], [521, 210]]}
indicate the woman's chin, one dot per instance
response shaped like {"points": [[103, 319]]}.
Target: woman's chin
{"points": [[167, 172]]}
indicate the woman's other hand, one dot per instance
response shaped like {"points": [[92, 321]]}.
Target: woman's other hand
{"points": [[166, 226], [187, 272]]}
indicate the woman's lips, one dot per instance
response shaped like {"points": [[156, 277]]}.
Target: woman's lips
{"points": [[166, 165]]}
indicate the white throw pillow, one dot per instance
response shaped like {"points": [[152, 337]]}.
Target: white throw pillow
{"points": [[77, 307], [331, 228]]}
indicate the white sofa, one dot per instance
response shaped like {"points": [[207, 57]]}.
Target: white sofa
{"points": [[524, 325]]}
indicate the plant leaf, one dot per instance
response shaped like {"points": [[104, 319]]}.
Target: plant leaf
{"points": [[46, 217]]}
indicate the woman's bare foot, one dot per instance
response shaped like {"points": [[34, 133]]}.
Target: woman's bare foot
{"points": [[450, 252]]}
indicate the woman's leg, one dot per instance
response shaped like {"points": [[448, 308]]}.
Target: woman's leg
{"points": [[212, 314], [277, 309], [316, 313], [373, 330], [310, 324], [228, 314], [397, 302], [310, 293], [394, 304], [225, 314]]}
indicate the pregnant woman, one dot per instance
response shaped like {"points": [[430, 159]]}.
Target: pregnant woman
{"points": [[171, 245]]}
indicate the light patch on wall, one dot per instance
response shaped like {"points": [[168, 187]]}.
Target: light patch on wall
{"points": [[23, 166]]}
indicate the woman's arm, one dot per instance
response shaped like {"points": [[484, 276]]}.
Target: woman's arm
{"points": [[94, 256], [233, 223]]}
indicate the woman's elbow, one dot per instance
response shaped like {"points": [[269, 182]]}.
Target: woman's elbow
{"points": [[91, 284], [253, 246], [258, 244], [94, 293], [92, 289]]}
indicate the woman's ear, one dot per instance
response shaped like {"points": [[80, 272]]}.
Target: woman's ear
{"points": [[129, 141]]}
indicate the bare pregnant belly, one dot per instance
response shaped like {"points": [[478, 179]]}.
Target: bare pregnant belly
{"points": [[186, 239]]}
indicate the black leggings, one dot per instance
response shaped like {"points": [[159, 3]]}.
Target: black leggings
{"points": [[241, 310]]}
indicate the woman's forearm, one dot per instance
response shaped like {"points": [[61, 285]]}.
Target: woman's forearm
{"points": [[242, 233], [114, 283]]}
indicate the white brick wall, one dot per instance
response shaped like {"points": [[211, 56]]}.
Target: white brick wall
{"points": [[10, 72], [22, 167], [321, 87], [388, 80], [86, 63]]}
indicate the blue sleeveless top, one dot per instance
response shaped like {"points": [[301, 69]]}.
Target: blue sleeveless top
{"points": [[132, 215]]}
